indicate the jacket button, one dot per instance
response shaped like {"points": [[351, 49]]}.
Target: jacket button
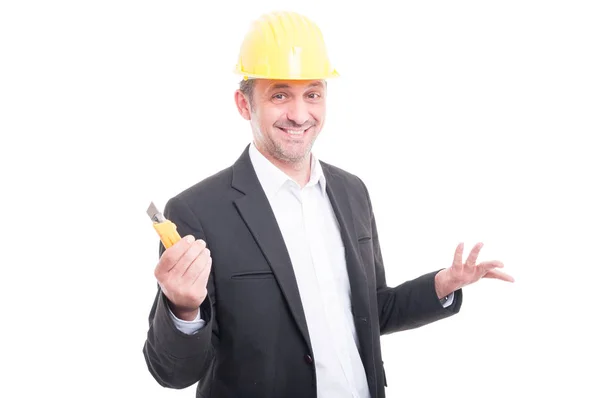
{"points": [[308, 359]]}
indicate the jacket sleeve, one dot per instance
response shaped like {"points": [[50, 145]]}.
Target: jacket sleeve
{"points": [[413, 303], [175, 359]]}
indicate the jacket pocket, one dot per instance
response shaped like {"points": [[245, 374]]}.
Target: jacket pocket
{"points": [[259, 274]]}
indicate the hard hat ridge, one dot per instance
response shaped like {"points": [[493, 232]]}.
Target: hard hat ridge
{"points": [[284, 45]]}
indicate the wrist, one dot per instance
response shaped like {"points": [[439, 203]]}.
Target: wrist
{"points": [[184, 314], [444, 284]]}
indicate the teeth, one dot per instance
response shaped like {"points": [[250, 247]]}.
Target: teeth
{"points": [[294, 132]]}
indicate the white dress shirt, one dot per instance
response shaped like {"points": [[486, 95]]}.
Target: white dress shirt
{"points": [[312, 237]]}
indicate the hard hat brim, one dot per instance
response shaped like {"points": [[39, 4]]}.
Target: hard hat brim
{"points": [[334, 74]]}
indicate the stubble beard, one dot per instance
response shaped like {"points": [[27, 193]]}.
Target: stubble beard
{"points": [[277, 150]]}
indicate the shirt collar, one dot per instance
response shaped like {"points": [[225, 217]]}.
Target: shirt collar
{"points": [[272, 178]]}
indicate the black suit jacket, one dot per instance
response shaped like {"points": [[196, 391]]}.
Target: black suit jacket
{"points": [[256, 343]]}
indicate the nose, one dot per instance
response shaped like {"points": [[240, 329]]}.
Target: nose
{"points": [[298, 112]]}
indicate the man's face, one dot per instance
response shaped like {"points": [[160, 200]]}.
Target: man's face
{"points": [[286, 117]]}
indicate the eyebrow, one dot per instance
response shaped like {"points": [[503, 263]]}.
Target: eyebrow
{"points": [[277, 86]]}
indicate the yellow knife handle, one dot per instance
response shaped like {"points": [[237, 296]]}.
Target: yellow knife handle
{"points": [[168, 233]]}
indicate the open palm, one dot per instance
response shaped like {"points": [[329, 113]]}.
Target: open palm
{"points": [[470, 271]]}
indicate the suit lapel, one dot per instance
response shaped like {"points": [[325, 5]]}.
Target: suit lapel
{"points": [[338, 196], [256, 212]]}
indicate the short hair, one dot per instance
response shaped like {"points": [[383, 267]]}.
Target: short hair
{"points": [[247, 88]]}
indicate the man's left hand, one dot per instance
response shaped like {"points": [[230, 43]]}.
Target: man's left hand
{"points": [[462, 274]]}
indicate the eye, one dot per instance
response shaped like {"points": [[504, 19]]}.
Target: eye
{"points": [[314, 96], [278, 97]]}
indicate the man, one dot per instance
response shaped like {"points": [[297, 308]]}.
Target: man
{"points": [[278, 288]]}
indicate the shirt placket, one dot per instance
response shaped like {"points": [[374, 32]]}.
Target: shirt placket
{"points": [[326, 281]]}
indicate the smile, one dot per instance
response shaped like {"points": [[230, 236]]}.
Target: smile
{"points": [[294, 132]]}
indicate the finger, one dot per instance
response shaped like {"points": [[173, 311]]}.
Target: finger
{"points": [[202, 277], [472, 259], [495, 274], [457, 263], [172, 255], [200, 284], [487, 266], [196, 266], [188, 257]]}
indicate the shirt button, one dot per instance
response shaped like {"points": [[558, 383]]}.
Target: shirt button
{"points": [[308, 359]]}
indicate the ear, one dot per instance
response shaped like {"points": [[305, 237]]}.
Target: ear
{"points": [[242, 104]]}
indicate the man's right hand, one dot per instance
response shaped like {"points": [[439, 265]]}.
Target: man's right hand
{"points": [[182, 274]]}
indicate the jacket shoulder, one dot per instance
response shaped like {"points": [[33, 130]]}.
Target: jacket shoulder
{"points": [[352, 180]]}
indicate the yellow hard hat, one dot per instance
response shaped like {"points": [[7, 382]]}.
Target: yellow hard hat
{"points": [[286, 46]]}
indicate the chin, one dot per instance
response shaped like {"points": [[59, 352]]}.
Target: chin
{"points": [[293, 156]]}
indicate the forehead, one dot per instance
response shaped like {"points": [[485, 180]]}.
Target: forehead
{"points": [[270, 85]]}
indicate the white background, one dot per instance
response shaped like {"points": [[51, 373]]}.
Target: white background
{"points": [[468, 120]]}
